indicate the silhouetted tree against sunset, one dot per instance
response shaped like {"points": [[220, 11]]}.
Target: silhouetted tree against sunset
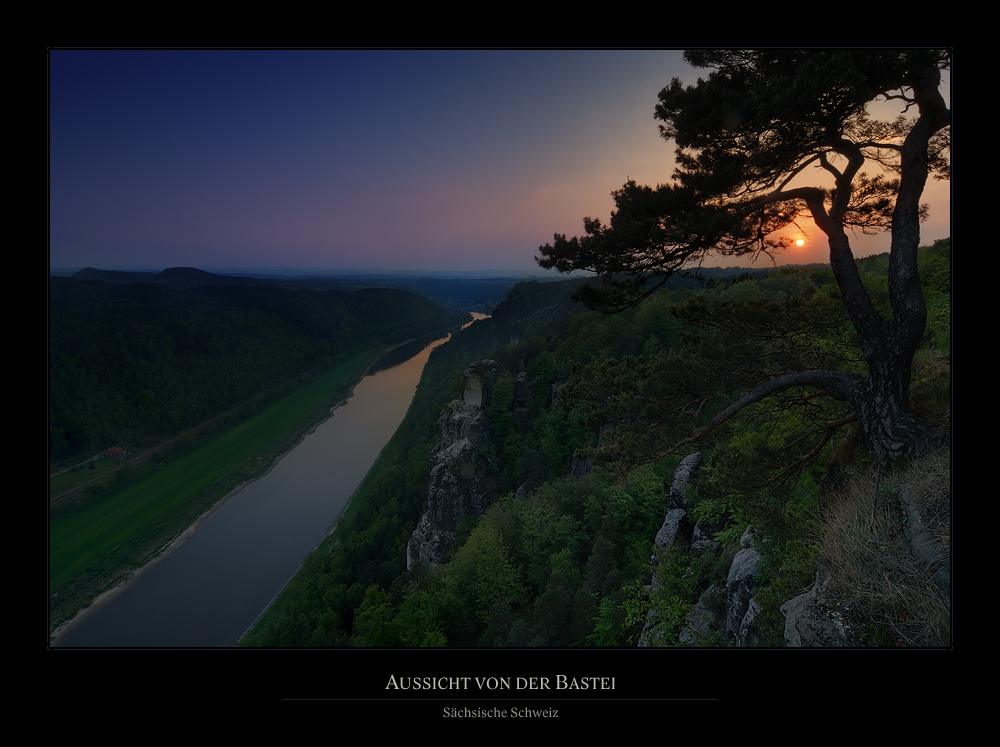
{"points": [[767, 137]]}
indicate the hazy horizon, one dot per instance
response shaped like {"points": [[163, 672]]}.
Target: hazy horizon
{"points": [[458, 272]]}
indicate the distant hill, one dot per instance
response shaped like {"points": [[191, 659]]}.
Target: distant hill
{"points": [[178, 277]]}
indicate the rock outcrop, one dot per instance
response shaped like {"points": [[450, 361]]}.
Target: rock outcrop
{"points": [[675, 528], [810, 622], [675, 524], [928, 532], [462, 481], [728, 610], [741, 609]]}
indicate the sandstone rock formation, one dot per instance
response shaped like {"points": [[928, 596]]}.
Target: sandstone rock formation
{"points": [[674, 528], [730, 610], [462, 482], [740, 606], [675, 523], [810, 622]]}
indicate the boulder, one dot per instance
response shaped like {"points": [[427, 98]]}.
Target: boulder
{"points": [[812, 623]]}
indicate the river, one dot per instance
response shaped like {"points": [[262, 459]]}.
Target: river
{"points": [[211, 589]]}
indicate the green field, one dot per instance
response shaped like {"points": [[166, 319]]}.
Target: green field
{"points": [[84, 537]]}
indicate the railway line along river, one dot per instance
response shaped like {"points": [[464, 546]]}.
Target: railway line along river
{"points": [[207, 592]]}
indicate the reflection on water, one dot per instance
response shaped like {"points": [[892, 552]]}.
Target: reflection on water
{"points": [[209, 591], [403, 353]]}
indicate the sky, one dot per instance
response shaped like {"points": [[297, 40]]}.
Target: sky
{"points": [[334, 160]]}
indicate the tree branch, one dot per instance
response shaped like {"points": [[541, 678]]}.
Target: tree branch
{"points": [[835, 383]]}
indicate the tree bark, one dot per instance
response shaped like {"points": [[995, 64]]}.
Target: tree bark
{"points": [[891, 431]]}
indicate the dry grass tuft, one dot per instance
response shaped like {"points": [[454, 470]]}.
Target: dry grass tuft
{"points": [[890, 596]]}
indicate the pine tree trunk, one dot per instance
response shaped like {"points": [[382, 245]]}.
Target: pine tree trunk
{"points": [[881, 402]]}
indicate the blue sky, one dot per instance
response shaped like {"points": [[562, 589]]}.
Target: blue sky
{"points": [[352, 159]]}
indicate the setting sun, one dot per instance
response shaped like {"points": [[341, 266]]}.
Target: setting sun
{"points": [[800, 242]]}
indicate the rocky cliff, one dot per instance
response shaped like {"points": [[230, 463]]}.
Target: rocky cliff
{"points": [[725, 615], [462, 481]]}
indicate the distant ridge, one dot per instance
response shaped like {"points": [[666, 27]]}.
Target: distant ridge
{"points": [[178, 277], [195, 276], [460, 292]]}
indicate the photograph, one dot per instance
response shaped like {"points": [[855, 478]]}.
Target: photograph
{"points": [[500, 386]]}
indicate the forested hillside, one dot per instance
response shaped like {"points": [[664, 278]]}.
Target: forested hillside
{"points": [[562, 557], [132, 362]]}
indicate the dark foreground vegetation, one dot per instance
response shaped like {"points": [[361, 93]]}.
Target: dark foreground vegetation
{"points": [[564, 561]]}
